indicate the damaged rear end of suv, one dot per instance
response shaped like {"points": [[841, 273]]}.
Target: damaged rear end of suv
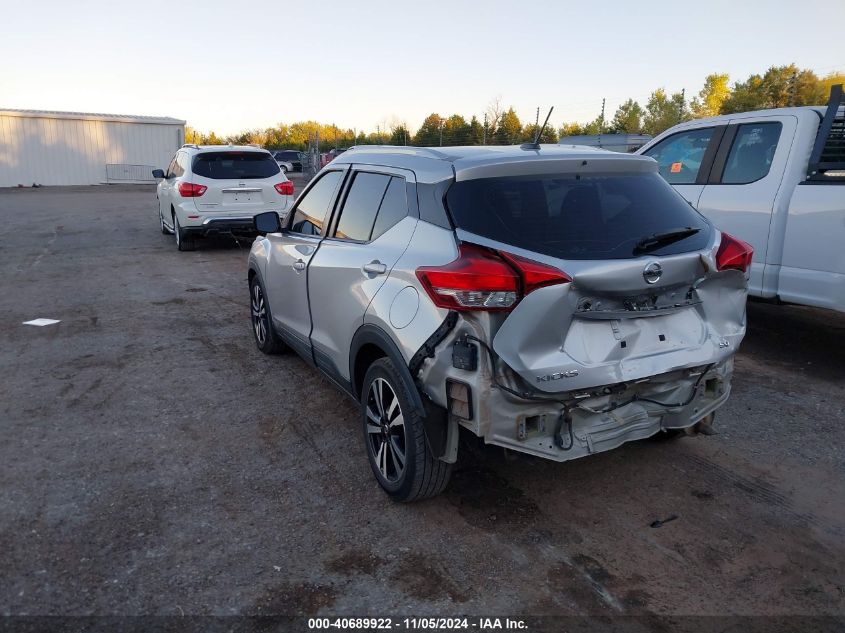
{"points": [[553, 301], [594, 305]]}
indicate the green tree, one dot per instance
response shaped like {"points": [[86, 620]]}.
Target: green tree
{"points": [[530, 131], [628, 118], [428, 135], [712, 96], [663, 111], [476, 132], [779, 87], [399, 135], [508, 129], [456, 131], [829, 80], [571, 129]]}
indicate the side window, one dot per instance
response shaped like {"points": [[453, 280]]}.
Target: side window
{"points": [[679, 156], [181, 163], [361, 206], [311, 211], [752, 153], [393, 208], [171, 169]]}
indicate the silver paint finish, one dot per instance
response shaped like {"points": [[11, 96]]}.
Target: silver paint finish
{"points": [[562, 342]]}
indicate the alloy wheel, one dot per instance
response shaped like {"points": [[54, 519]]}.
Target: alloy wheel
{"points": [[386, 430], [259, 315]]}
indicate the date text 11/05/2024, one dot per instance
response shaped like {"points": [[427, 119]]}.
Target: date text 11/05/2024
{"points": [[435, 624]]}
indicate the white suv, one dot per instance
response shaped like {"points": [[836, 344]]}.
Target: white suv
{"points": [[213, 189]]}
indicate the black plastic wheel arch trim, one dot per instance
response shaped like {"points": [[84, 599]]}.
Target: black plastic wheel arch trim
{"points": [[435, 418], [428, 348], [374, 335]]}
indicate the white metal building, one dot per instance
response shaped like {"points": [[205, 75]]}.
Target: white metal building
{"points": [[74, 148]]}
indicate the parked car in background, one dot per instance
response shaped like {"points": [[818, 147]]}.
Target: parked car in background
{"points": [[557, 302], [327, 157], [212, 189], [289, 156], [613, 142], [284, 166], [776, 179]]}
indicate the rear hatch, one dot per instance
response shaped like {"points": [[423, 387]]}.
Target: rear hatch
{"points": [[240, 183], [645, 295]]}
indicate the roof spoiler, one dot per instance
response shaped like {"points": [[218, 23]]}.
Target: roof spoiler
{"points": [[827, 160]]}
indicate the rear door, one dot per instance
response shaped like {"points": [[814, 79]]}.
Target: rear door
{"points": [[240, 183], [290, 253], [684, 158], [365, 240], [743, 185]]}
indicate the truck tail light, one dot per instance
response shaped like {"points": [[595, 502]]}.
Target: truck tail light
{"points": [[733, 254], [284, 188], [483, 279], [190, 190]]}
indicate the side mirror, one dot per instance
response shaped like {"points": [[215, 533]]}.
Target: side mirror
{"points": [[158, 173], [267, 222]]}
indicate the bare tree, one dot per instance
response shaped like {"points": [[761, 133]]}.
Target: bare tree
{"points": [[494, 114]]}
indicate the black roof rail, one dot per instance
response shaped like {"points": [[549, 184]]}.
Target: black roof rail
{"points": [[829, 149]]}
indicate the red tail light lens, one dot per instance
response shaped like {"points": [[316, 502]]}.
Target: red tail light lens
{"points": [[284, 188], [534, 274], [190, 190], [482, 279], [477, 280], [733, 254]]}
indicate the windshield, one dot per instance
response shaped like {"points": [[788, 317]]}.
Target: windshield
{"points": [[235, 165], [603, 216]]}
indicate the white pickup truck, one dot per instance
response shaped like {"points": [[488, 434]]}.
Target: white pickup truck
{"points": [[776, 179]]}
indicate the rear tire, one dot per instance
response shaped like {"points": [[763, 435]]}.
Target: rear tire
{"points": [[395, 438], [265, 336], [183, 241]]}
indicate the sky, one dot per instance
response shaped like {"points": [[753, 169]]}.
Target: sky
{"points": [[230, 66]]}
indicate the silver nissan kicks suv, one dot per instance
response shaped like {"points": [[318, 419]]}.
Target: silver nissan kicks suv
{"points": [[554, 301]]}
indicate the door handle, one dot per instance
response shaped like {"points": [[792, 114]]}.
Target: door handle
{"points": [[299, 265], [375, 267]]}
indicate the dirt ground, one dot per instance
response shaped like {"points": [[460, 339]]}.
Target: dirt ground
{"points": [[154, 462]]}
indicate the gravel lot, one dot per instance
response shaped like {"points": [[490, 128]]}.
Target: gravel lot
{"points": [[152, 461]]}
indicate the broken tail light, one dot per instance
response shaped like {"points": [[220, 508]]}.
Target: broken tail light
{"points": [[733, 254], [483, 279]]}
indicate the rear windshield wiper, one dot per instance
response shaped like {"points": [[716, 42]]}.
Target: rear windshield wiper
{"points": [[656, 240]]}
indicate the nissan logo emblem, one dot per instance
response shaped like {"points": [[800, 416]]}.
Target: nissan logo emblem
{"points": [[652, 272]]}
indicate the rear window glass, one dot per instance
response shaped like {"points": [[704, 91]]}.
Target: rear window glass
{"points": [[571, 217], [235, 165]]}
